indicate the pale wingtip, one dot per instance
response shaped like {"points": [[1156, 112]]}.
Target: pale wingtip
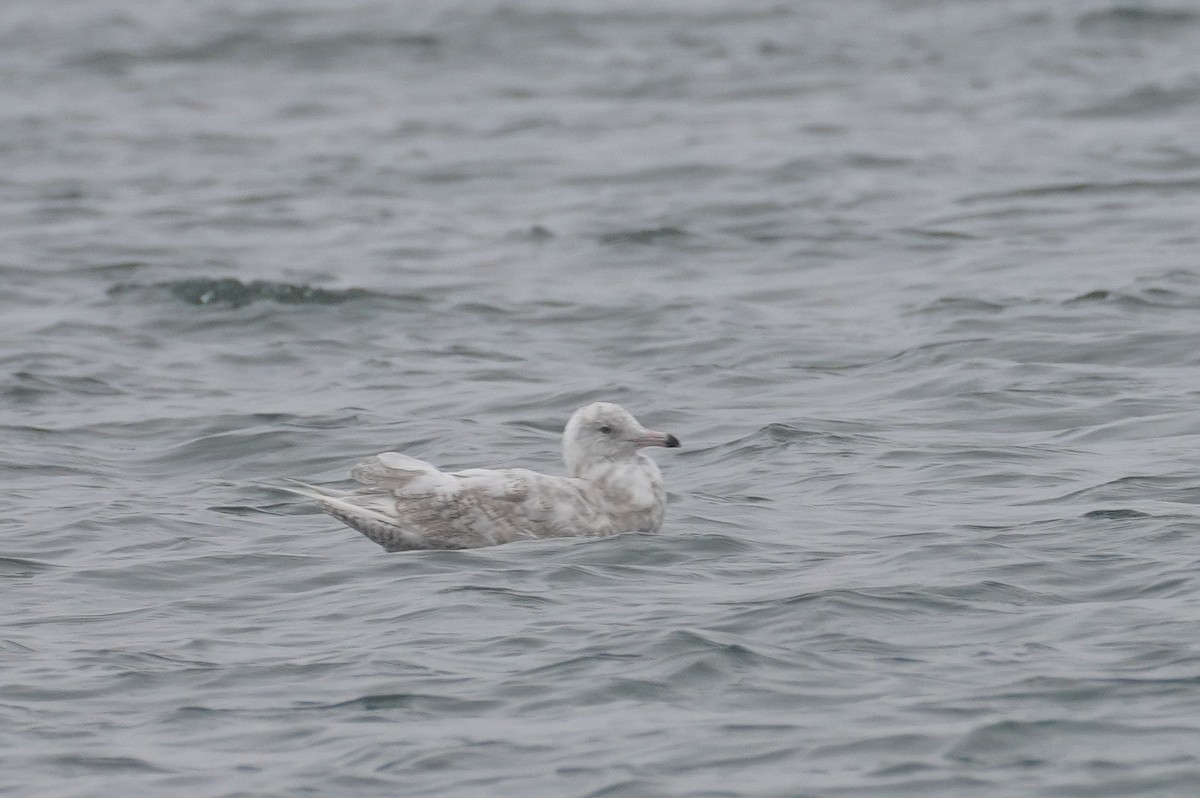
{"points": [[302, 489]]}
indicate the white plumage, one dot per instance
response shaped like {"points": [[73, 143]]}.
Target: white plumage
{"points": [[610, 489]]}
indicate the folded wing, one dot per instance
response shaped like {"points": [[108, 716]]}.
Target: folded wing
{"points": [[407, 503]]}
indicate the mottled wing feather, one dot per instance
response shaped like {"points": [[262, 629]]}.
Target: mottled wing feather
{"points": [[484, 507]]}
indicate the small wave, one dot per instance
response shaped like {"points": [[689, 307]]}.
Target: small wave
{"points": [[26, 387], [650, 235], [234, 293], [1099, 188], [964, 304], [537, 233], [1116, 515], [421, 703], [127, 765], [1124, 20], [1144, 100], [262, 45], [19, 567], [1180, 489], [779, 435], [1146, 298]]}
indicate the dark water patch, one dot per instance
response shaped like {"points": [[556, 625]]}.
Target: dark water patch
{"points": [[265, 41], [536, 234], [1116, 515], [653, 550], [117, 267], [580, 665], [233, 293], [649, 235], [939, 237], [797, 170], [472, 170], [84, 619], [1115, 347], [1184, 489], [249, 510], [787, 435], [171, 429], [692, 641], [502, 595], [422, 704], [141, 663], [883, 746], [523, 125], [990, 591], [575, 576], [738, 499], [1024, 744], [1135, 20], [1092, 296], [1162, 187], [484, 310], [1145, 298], [13, 648], [93, 766], [28, 387], [851, 602], [872, 161], [956, 305], [1144, 101], [624, 689], [20, 568], [221, 439], [1079, 690]]}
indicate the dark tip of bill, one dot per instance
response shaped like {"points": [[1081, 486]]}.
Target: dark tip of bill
{"points": [[672, 441]]}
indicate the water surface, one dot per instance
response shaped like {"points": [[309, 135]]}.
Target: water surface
{"points": [[915, 283]]}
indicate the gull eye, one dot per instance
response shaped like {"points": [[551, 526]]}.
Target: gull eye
{"points": [[606, 429]]}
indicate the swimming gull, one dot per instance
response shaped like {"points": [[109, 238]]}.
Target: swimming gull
{"points": [[610, 489]]}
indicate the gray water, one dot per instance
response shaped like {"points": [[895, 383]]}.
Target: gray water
{"points": [[916, 283]]}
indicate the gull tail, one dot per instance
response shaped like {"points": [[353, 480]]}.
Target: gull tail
{"points": [[375, 525]]}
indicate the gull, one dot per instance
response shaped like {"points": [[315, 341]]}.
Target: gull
{"points": [[610, 489]]}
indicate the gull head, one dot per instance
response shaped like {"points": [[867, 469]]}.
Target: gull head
{"points": [[603, 432]]}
